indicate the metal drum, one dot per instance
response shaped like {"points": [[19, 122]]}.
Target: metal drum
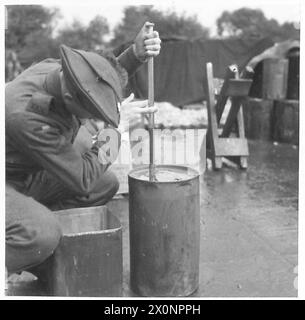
{"points": [[88, 260], [164, 219]]}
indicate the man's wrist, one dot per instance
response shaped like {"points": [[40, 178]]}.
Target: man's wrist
{"points": [[134, 49], [129, 61]]}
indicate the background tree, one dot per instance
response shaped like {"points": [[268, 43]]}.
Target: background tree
{"points": [[168, 24], [30, 37], [24, 20], [89, 37], [247, 22]]}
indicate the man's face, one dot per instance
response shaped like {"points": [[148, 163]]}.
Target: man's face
{"points": [[71, 104]]}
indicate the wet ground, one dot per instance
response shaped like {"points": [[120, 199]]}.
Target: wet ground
{"points": [[249, 229]]}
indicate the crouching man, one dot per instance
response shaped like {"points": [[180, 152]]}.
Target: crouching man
{"points": [[45, 168]]}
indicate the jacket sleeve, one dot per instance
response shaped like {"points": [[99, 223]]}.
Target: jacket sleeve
{"points": [[41, 139], [129, 61]]}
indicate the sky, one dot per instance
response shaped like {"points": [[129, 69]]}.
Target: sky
{"points": [[206, 11]]}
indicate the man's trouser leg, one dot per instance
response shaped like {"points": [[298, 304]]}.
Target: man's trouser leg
{"points": [[32, 231], [108, 187]]}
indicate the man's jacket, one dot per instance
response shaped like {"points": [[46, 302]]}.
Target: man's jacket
{"points": [[40, 132]]}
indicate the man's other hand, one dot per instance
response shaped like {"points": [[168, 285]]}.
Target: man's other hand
{"points": [[132, 111]]}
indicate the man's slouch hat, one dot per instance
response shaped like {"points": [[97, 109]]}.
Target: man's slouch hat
{"points": [[94, 82]]}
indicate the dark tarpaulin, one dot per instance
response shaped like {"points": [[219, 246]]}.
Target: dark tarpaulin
{"points": [[179, 69]]}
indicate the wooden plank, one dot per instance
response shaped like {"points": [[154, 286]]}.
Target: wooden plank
{"points": [[222, 99], [232, 147], [247, 74], [240, 123], [212, 133], [239, 87], [231, 118], [241, 134], [229, 162], [240, 161]]}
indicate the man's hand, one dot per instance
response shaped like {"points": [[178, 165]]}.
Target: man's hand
{"points": [[132, 111], [147, 45]]}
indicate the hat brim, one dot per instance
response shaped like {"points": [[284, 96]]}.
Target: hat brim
{"points": [[94, 94]]}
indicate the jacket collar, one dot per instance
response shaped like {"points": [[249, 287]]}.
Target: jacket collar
{"points": [[52, 84], [53, 88]]}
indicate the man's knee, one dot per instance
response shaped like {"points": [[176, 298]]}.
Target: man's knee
{"points": [[47, 237], [103, 192], [32, 244], [114, 183], [107, 188], [108, 185], [32, 233]]}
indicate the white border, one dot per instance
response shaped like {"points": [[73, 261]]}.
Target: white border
{"points": [[301, 247]]}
